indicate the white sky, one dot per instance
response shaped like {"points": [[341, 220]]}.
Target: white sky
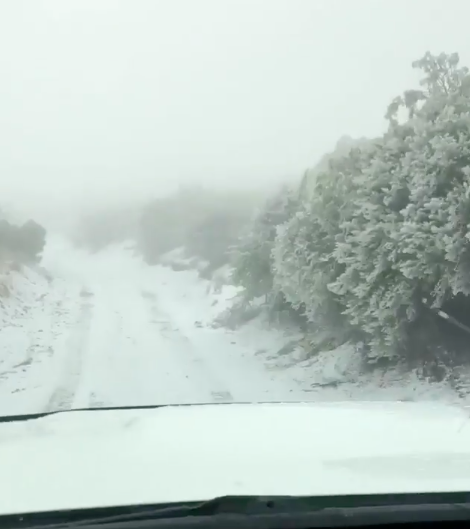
{"points": [[101, 99]]}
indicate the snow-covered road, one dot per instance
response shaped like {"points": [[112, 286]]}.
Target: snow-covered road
{"points": [[108, 330], [136, 353]]}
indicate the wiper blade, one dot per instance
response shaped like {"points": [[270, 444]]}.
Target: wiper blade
{"points": [[267, 511], [219, 505], [223, 505], [39, 415]]}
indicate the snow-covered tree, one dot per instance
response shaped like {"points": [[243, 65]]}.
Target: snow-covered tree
{"points": [[407, 238], [388, 225], [304, 264], [252, 255]]}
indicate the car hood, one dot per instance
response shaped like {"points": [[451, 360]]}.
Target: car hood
{"points": [[182, 453]]}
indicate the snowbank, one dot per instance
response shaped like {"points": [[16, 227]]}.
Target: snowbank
{"points": [[330, 375], [33, 316]]}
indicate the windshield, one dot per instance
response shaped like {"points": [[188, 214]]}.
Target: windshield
{"points": [[237, 201]]}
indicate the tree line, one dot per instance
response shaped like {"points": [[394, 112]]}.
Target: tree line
{"points": [[376, 241], [367, 248]]}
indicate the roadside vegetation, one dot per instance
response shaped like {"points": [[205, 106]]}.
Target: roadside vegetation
{"points": [[365, 249]]}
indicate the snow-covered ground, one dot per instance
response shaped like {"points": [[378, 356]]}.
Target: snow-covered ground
{"points": [[106, 329], [39, 319]]}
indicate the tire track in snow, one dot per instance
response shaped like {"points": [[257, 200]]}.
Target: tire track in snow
{"points": [[70, 371], [100, 361], [121, 355], [185, 349], [126, 361]]}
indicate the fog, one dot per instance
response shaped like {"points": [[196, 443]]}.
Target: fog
{"points": [[115, 100]]}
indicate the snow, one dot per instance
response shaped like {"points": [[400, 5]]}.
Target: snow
{"points": [[110, 330], [194, 453], [36, 321], [107, 329], [92, 330]]}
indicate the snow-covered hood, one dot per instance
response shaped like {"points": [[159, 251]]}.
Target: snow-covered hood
{"points": [[105, 458]]}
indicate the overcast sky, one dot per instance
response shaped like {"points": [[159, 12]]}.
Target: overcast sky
{"points": [[124, 98]]}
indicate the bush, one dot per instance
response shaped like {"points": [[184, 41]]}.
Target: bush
{"points": [[381, 238], [24, 243], [205, 222], [251, 256]]}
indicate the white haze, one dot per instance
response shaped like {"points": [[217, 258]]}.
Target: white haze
{"points": [[115, 100]]}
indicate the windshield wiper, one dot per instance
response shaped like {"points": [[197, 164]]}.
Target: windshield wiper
{"points": [[102, 516], [39, 415], [275, 511]]}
